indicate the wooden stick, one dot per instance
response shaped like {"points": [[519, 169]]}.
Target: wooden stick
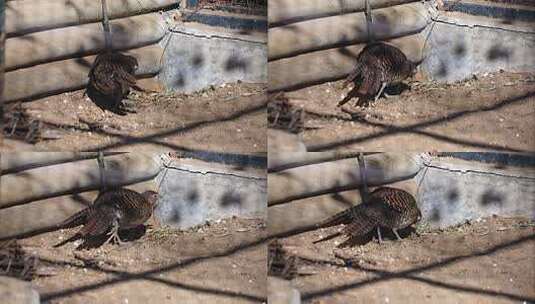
{"points": [[369, 21], [106, 25], [364, 193], [284, 161], [336, 176]]}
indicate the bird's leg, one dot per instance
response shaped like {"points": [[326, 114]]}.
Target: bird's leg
{"points": [[383, 86], [127, 105], [357, 101], [14, 125], [396, 233], [379, 238], [114, 234]]}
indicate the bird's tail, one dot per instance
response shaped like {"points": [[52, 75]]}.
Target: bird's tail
{"points": [[331, 236], [369, 86], [77, 219], [71, 239], [360, 226], [356, 220], [353, 75], [344, 217]]}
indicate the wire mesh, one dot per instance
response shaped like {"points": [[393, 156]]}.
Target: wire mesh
{"points": [[256, 7]]}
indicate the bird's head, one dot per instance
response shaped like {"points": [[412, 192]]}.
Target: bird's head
{"points": [[412, 68], [152, 197], [419, 216]]}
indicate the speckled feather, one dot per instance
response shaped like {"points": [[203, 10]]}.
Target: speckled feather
{"points": [[113, 74], [387, 207], [129, 208], [377, 63]]}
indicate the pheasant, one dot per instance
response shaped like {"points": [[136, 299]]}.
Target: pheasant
{"points": [[110, 79], [387, 207], [113, 210], [112, 74], [378, 65]]}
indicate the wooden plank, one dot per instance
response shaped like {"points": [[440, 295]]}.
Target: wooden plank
{"points": [[26, 16], [68, 75], [83, 40], [328, 177], [283, 12], [325, 33], [332, 64], [74, 177]]}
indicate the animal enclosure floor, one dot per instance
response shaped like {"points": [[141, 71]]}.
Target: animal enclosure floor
{"points": [[218, 263], [490, 112], [486, 261], [229, 118]]}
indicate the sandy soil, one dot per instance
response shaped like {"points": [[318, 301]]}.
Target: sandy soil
{"points": [[218, 263], [490, 112], [229, 118], [487, 261]]}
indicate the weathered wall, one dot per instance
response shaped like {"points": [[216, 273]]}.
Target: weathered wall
{"points": [[461, 45], [452, 191], [448, 191], [51, 44], [36, 193], [199, 56], [321, 43], [193, 192], [46, 40], [49, 188], [313, 42]]}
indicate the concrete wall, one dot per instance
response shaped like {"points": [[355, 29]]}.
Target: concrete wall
{"points": [[449, 191], [193, 192], [461, 45], [452, 191], [198, 56]]}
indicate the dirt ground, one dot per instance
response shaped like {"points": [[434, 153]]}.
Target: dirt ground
{"points": [[228, 118], [488, 112], [488, 260], [222, 262]]}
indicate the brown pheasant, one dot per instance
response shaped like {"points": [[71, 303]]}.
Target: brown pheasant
{"points": [[378, 65], [110, 79], [387, 207], [113, 210], [112, 74]]}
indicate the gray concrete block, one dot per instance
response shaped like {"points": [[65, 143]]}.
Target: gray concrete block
{"points": [[193, 192], [13, 291], [199, 56], [282, 292], [452, 191], [461, 45]]}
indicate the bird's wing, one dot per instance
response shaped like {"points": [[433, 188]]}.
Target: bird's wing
{"points": [[353, 75], [99, 221], [77, 219], [394, 199], [369, 86], [343, 217], [364, 221]]}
